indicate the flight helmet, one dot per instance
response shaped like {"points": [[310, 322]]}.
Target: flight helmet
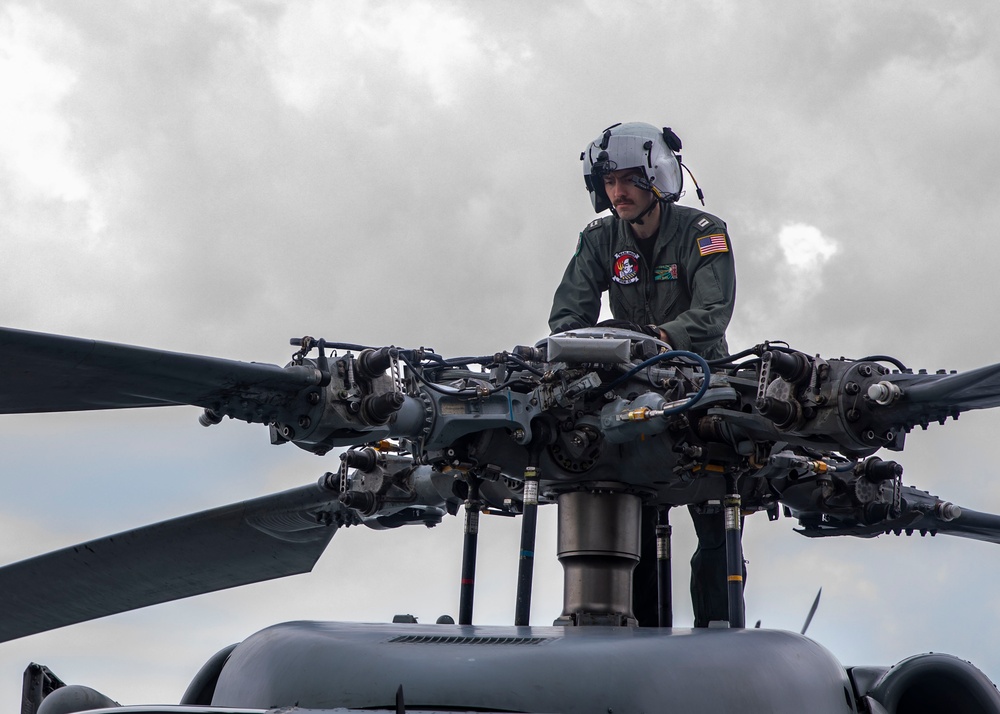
{"points": [[634, 145]]}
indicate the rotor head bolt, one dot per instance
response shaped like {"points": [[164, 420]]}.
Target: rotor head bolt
{"points": [[884, 393], [304, 422], [948, 511], [313, 398], [852, 388], [209, 418], [853, 415]]}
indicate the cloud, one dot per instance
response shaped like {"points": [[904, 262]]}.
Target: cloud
{"points": [[428, 48], [805, 248], [35, 134]]}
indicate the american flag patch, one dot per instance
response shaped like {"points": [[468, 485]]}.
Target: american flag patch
{"points": [[712, 244]]}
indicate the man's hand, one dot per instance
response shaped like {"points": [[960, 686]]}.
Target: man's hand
{"points": [[651, 330]]}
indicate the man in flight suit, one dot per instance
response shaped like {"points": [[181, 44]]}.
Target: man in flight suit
{"points": [[668, 269]]}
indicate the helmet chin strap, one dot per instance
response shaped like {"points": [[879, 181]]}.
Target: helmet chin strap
{"points": [[638, 219]]}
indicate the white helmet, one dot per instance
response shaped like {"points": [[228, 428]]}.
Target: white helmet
{"points": [[634, 146]]}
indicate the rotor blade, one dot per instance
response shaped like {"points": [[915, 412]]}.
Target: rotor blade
{"points": [[812, 611], [261, 539], [52, 373], [971, 524], [932, 397], [929, 514], [924, 513]]}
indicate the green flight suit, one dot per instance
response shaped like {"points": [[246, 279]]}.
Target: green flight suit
{"points": [[688, 289]]}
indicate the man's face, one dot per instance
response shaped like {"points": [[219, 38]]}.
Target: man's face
{"points": [[628, 199]]}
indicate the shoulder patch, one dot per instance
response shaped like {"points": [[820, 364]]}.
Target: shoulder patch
{"points": [[579, 244], [703, 223], [716, 243]]}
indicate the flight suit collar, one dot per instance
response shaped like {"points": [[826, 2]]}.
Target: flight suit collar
{"points": [[669, 222]]}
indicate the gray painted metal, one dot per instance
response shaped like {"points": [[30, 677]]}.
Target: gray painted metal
{"points": [[173, 709], [935, 683], [52, 373], [260, 539], [586, 670]]}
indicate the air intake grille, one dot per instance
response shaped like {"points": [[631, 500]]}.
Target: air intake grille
{"points": [[441, 640]]}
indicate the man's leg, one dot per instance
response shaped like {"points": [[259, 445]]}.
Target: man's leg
{"points": [[644, 582]]}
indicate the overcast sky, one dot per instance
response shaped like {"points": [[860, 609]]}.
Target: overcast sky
{"points": [[217, 177]]}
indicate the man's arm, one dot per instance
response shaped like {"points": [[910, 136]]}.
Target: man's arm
{"points": [[577, 301], [711, 280]]}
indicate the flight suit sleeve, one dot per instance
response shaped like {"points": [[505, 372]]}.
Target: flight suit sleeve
{"points": [[577, 301], [711, 282]]}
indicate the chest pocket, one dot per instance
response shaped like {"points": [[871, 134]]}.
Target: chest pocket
{"points": [[653, 296], [669, 292]]}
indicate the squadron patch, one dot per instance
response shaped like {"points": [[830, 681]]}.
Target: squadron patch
{"points": [[703, 222], [712, 244], [579, 244], [665, 272], [626, 268]]}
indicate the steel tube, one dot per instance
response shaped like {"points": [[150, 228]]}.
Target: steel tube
{"points": [[526, 557], [734, 561]]}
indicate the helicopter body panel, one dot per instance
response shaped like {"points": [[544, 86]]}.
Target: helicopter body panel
{"points": [[327, 665]]}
